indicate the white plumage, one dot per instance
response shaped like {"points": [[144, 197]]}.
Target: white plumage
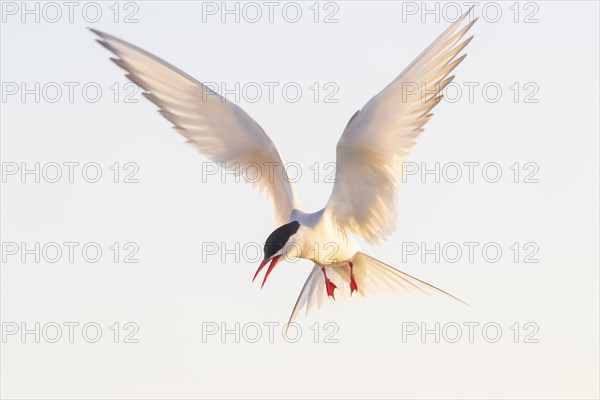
{"points": [[370, 153], [216, 127]]}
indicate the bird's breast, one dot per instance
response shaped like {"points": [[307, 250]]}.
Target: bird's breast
{"points": [[325, 245]]}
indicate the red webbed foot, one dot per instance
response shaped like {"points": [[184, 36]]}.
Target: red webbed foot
{"points": [[353, 285], [330, 286]]}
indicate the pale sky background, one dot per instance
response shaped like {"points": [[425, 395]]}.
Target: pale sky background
{"points": [[170, 213]]}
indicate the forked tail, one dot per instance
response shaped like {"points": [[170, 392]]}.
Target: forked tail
{"points": [[371, 276]]}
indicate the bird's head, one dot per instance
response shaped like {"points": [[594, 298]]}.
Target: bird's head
{"points": [[279, 245]]}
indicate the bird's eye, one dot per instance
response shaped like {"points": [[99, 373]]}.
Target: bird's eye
{"points": [[279, 238]]}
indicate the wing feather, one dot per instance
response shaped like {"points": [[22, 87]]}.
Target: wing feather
{"points": [[378, 138], [216, 127]]}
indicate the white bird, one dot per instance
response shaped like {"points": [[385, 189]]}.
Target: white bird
{"points": [[370, 154]]}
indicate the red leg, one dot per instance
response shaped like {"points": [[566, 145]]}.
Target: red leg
{"points": [[353, 285], [330, 286]]}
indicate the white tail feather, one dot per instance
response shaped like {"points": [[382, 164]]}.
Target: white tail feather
{"points": [[372, 277]]}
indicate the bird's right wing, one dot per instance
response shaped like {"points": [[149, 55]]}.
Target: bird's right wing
{"points": [[216, 127]]}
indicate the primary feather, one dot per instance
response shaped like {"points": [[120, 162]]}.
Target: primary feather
{"points": [[216, 127], [378, 138]]}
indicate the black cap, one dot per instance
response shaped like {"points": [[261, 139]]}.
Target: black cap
{"points": [[279, 238]]}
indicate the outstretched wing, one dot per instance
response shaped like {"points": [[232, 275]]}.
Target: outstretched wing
{"points": [[216, 127], [378, 137]]}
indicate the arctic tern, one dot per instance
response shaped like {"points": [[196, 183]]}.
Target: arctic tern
{"points": [[370, 154]]}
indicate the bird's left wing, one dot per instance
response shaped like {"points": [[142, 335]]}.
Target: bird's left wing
{"points": [[216, 127], [378, 137]]}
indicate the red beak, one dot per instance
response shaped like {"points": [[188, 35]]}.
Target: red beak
{"points": [[262, 265]]}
